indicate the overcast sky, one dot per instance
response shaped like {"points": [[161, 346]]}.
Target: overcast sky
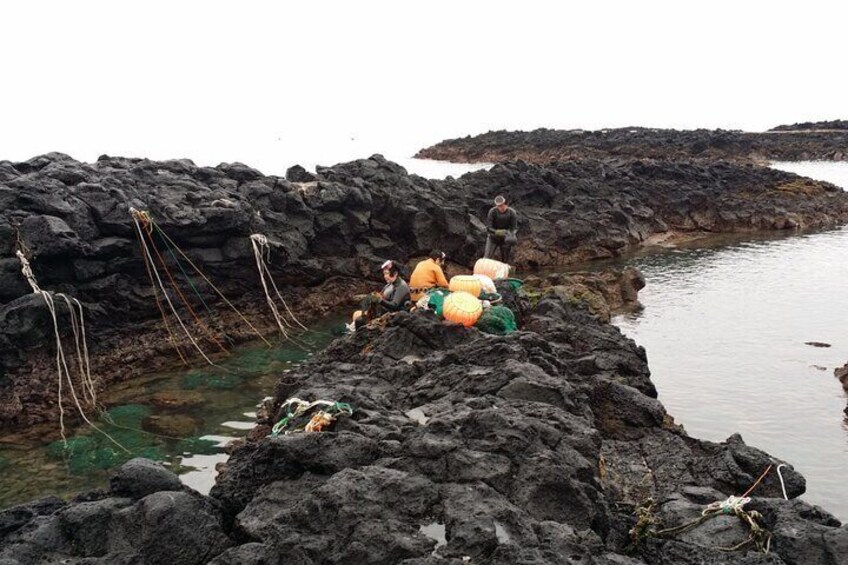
{"points": [[275, 83]]}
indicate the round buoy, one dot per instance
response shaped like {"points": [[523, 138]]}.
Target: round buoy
{"points": [[466, 283], [491, 268], [462, 308], [488, 284]]}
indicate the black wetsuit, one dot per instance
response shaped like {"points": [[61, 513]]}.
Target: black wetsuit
{"points": [[395, 295], [506, 222]]}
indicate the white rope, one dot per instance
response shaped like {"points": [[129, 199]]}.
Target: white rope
{"points": [[78, 328], [733, 503], [259, 242], [26, 269], [782, 486], [64, 374], [165, 292], [260, 249], [210, 283]]}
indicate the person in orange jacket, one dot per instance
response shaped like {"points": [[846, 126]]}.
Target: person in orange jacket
{"points": [[428, 274]]}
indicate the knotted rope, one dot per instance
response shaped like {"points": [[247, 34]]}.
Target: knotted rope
{"points": [[647, 522]]}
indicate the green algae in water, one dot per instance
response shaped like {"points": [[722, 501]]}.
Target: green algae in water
{"points": [[74, 446], [129, 415], [44, 469], [131, 439], [197, 446], [224, 381], [258, 361], [77, 452]]}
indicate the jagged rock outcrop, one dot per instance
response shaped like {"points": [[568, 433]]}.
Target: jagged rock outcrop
{"points": [[146, 517], [786, 143], [327, 235], [527, 448], [463, 447], [604, 293]]}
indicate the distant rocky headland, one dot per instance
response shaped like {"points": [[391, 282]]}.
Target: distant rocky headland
{"points": [[815, 126], [800, 142]]}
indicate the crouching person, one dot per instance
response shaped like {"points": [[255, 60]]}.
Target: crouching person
{"points": [[393, 297]]}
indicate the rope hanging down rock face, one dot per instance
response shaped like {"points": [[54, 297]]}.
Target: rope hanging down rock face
{"points": [[262, 254], [143, 223], [145, 228], [64, 378]]}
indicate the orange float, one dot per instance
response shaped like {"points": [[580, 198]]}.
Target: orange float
{"points": [[462, 308], [466, 283], [491, 268]]}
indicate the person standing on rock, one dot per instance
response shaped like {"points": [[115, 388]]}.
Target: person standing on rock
{"points": [[501, 225], [427, 275]]}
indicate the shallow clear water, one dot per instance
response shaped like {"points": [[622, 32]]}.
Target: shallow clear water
{"points": [[218, 406], [726, 328]]}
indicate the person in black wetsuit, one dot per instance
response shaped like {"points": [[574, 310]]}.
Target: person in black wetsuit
{"points": [[501, 225], [393, 297]]}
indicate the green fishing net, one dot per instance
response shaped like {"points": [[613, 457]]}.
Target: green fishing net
{"points": [[129, 415], [497, 320]]}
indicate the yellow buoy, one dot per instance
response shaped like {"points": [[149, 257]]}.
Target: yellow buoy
{"points": [[491, 268], [466, 283], [462, 308]]}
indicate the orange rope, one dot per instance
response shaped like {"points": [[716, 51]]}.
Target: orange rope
{"points": [[211, 284], [753, 486], [199, 322], [159, 305]]}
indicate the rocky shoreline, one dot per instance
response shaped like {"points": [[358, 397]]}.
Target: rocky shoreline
{"points": [[328, 232], [539, 447], [801, 142], [535, 447]]}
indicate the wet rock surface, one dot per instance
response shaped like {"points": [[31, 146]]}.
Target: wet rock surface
{"points": [[604, 292], [801, 142], [534, 447], [328, 231], [841, 373], [146, 517]]}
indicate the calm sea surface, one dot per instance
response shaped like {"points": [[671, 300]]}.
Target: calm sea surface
{"points": [[726, 329]]}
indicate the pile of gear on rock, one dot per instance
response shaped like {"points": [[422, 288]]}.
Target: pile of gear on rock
{"points": [[466, 299]]}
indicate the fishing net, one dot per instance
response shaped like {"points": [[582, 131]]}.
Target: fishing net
{"points": [[303, 416], [437, 301], [497, 320], [514, 298]]}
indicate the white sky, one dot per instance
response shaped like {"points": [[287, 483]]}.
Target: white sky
{"points": [[274, 83]]}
